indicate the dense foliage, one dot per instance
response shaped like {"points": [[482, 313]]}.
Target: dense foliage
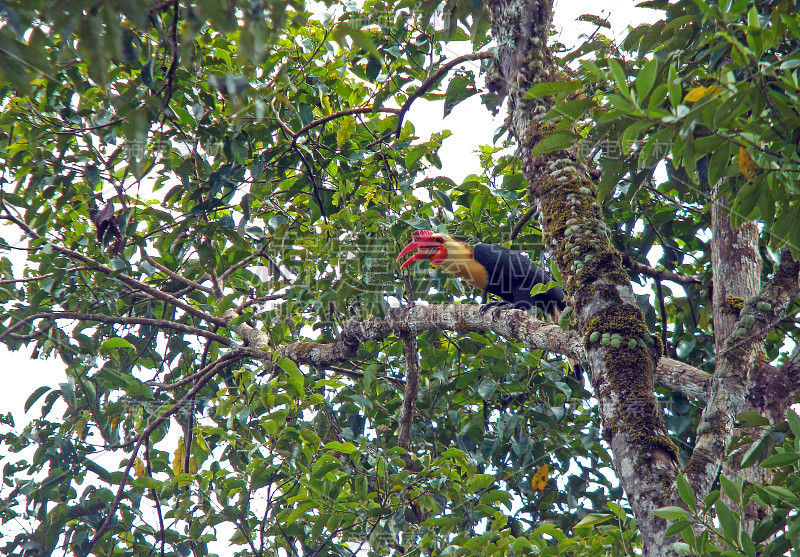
{"points": [[164, 164]]}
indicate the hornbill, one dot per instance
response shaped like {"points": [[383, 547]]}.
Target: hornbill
{"points": [[494, 269]]}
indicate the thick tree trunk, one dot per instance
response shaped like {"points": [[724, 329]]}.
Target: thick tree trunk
{"points": [[645, 458], [736, 267]]}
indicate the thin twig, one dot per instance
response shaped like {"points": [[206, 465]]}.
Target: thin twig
{"points": [[154, 495], [340, 114]]}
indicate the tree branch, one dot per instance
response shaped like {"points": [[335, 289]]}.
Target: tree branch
{"points": [[461, 318], [411, 353], [734, 364], [122, 277], [102, 318], [659, 274], [175, 276], [432, 79]]}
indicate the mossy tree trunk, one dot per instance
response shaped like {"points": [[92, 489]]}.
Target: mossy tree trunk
{"points": [[622, 365]]}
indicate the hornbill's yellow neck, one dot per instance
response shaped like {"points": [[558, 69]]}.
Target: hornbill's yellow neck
{"points": [[460, 262]]}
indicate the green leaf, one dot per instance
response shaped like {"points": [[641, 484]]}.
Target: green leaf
{"points": [[747, 545], [780, 460], [781, 492], [480, 481], [593, 519], [752, 419], [294, 376], [360, 39], [646, 78], [674, 87], [497, 496], [619, 76], [729, 522], [794, 422], [686, 492], [35, 396], [677, 527], [546, 88], [115, 343], [711, 498], [754, 452], [347, 448], [487, 388], [361, 487], [731, 489], [671, 513], [460, 88], [554, 142]]}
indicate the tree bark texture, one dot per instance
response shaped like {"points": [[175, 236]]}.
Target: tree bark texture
{"points": [[736, 275], [622, 370]]}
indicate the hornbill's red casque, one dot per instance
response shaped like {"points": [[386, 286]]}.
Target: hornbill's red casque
{"points": [[494, 269]]}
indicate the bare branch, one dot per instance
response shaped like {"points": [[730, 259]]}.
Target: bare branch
{"points": [[462, 318], [659, 274], [434, 78], [175, 276]]}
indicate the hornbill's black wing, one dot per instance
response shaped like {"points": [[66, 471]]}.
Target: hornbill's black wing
{"points": [[512, 275]]}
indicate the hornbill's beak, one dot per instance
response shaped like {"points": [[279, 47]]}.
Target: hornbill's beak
{"points": [[422, 240]]}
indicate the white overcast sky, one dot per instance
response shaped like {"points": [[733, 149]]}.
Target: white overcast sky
{"points": [[470, 123]]}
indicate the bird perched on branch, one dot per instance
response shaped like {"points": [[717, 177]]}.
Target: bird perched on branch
{"points": [[494, 269]]}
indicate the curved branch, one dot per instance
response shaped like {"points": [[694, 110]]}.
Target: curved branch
{"points": [[102, 318], [340, 114], [659, 274], [521, 223], [432, 79]]}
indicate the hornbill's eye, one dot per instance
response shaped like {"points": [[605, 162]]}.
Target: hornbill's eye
{"points": [[439, 240]]}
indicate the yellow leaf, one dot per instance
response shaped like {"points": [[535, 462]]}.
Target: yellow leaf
{"points": [[326, 104], [80, 425], [177, 459], [346, 128], [746, 164], [539, 480], [699, 92], [139, 468]]}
